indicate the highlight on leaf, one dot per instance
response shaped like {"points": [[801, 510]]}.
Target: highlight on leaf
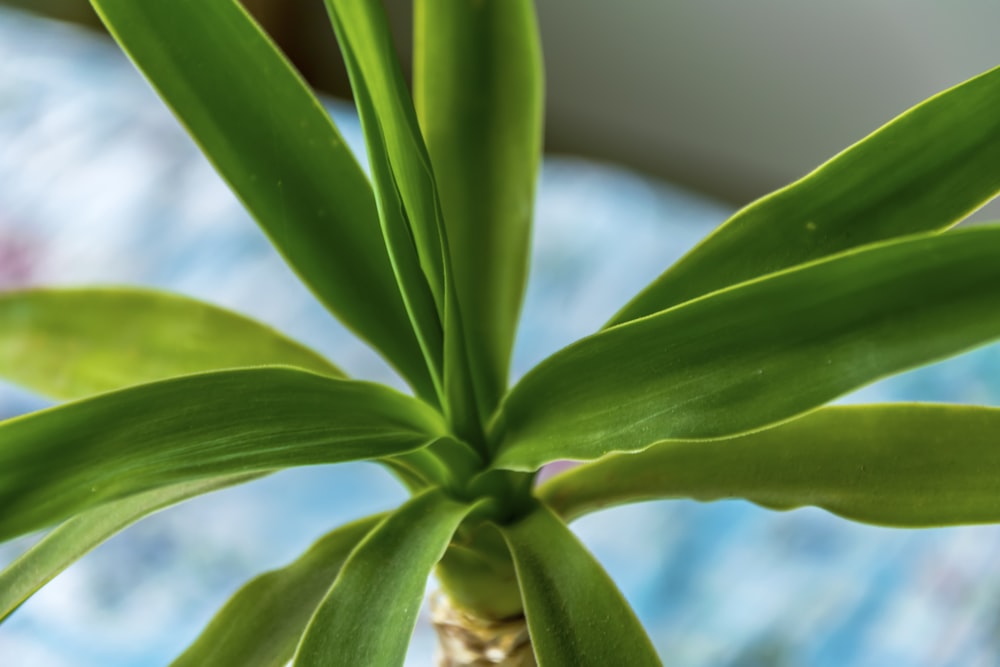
{"points": [[911, 465], [759, 353], [57, 342]]}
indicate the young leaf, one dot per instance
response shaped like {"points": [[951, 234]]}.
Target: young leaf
{"points": [[908, 465], [478, 90], [924, 171], [363, 34], [420, 302], [61, 461], [279, 152], [261, 625], [369, 614], [759, 353], [71, 540], [576, 616], [395, 141], [72, 343]]}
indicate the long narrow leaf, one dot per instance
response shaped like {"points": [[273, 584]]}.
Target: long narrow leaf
{"points": [[924, 171], [369, 614], [910, 465], [72, 457], [478, 90], [268, 136], [72, 343], [261, 625], [77, 536], [417, 296], [363, 32], [395, 140], [576, 615], [760, 353]]}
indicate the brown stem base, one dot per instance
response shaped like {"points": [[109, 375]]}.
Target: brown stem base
{"points": [[467, 641]]}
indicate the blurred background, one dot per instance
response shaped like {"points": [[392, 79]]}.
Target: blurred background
{"points": [[731, 99], [663, 117]]}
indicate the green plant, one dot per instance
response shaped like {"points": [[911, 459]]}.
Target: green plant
{"points": [[709, 384]]}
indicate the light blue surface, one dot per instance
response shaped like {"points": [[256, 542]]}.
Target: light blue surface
{"points": [[98, 185]]}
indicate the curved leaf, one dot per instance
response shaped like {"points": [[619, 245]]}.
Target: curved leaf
{"points": [[478, 89], [268, 136], [60, 461], [407, 192], [924, 171], [369, 614], [363, 33], [417, 296], [759, 353], [71, 343], [261, 625], [908, 465], [68, 542], [576, 616]]}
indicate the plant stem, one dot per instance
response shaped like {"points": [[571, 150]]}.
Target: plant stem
{"points": [[477, 574], [468, 641]]}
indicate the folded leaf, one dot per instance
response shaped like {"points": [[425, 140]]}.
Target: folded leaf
{"points": [[363, 33], [261, 625], [268, 136], [576, 616], [760, 353], [64, 460], [71, 540], [369, 614], [417, 296], [926, 170], [407, 191], [478, 90], [71, 343], [908, 465]]}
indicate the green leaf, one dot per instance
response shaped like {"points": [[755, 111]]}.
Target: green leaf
{"points": [[71, 540], [64, 460], [268, 136], [261, 625], [417, 296], [447, 463], [926, 170], [364, 36], [479, 96], [908, 465], [369, 614], [71, 343], [407, 192], [576, 616], [760, 353]]}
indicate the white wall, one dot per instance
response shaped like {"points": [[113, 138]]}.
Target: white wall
{"points": [[737, 97]]}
